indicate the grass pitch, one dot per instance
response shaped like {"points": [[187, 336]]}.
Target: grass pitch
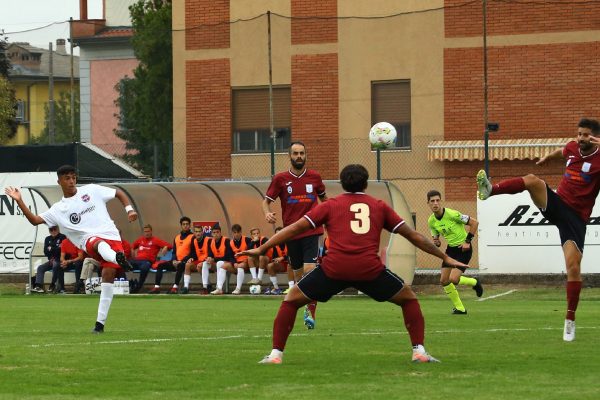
{"points": [[184, 347]]}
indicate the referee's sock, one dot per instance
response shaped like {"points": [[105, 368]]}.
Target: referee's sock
{"points": [[452, 293], [467, 281]]}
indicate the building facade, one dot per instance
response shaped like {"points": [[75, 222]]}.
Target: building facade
{"points": [[29, 75], [106, 58]]}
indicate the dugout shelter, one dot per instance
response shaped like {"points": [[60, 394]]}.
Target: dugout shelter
{"points": [[161, 204]]}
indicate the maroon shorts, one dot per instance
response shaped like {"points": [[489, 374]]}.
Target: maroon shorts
{"points": [[116, 245]]}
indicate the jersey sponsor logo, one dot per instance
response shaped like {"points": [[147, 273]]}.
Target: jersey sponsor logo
{"points": [[75, 218], [309, 188], [302, 198], [85, 198]]}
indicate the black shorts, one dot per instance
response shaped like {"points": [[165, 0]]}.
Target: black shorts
{"points": [[317, 286], [459, 255], [569, 223], [303, 251]]}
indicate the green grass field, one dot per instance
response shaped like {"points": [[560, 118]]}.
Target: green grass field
{"points": [[184, 347]]}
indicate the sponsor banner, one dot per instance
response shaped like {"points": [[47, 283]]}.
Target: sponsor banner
{"points": [[514, 237], [206, 227], [17, 234]]}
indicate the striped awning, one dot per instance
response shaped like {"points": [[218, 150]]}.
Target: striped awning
{"points": [[508, 149]]}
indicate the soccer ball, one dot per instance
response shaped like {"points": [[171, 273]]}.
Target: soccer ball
{"points": [[382, 135], [255, 289]]}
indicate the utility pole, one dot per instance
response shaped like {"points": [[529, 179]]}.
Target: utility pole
{"points": [[486, 132], [51, 133], [271, 127], [72, 81]]}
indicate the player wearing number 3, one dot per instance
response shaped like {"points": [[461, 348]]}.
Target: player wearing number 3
{"points": [[354, 223]]}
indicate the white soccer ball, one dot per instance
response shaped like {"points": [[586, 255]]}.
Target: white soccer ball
{"points": [[255, 289], [382, 135]]}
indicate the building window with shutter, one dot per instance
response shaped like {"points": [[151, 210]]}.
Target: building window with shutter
{"points": [[251, 119], [390, 102]]}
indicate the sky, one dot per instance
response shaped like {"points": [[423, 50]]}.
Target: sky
{"points": [[21, 15]]}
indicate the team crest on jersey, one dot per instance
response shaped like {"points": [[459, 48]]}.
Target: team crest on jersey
{"points": [[75, 218], [85, 198], [289, 189], [586, 167], [309, 188]]}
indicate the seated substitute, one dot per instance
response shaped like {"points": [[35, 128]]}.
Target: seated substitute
{"points": [[221, 256], [71, 259], [278, 263], [239, 243], [182, 245], [263, 260], [197, 261], [52, 252], [145, 251]]}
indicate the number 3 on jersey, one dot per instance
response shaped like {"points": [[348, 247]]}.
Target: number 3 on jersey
{"points": [[361, 223]]}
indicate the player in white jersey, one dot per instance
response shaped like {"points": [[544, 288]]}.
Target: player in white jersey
{"points": [[82, 216]]}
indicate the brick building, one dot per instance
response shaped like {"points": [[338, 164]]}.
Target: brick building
{"points": [[340, 66]]}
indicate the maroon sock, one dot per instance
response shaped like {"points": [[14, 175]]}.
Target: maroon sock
{"points": [[283, 324], [414, 321], [509, 186], [573, 290], [312, 307]]}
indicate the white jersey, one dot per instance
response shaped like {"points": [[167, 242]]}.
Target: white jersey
{"points": [[84, 215]]}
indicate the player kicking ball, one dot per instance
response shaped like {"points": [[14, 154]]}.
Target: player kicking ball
{"points": [[82, 216], [354, 223], [569, 208]]}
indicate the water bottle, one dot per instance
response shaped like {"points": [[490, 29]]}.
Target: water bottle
{"points": [[28, 288]]}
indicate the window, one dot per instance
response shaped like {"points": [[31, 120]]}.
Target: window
{"points": [[20, 112], [251, 121], [390, 102]]}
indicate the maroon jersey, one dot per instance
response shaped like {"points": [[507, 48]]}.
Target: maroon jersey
{"points": [[298, 194], [354, 223], [580, 183]]}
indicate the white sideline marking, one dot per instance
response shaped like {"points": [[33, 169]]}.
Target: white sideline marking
{"points": [[497, 295], [267, 336]]}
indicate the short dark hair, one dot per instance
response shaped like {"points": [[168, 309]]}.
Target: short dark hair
{"points": [[182, 219], [66, 169], [591, 124], [354, 178], [433, 193], [236, 228], [296, 142]]}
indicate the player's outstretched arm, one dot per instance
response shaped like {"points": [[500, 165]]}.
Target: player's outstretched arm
{"points": [[427, 245], [298, 227], [554, 155], [15, 194], [131, 213]]}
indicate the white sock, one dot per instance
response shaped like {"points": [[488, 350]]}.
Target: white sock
{"points": [[276, 354], [291, 284], [253, 272], [240, 278], [221, 275], [106, 296], [107, 253], [274, 281], [419, 349], [175, 286], [261, 272], [186, 280], [205, 272]]}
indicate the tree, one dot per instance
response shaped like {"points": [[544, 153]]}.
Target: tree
{"points": [[62, 121], [146, 101], [8, 103]]}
